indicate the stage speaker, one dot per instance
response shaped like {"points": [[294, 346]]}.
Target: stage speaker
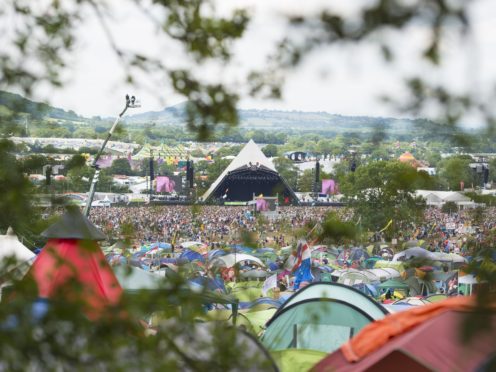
{"points": [[152, 172]]}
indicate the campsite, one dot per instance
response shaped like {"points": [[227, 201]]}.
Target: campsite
{"points": [[299, 308]]}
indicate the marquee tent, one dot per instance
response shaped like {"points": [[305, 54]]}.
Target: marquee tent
{"points": [[250, 173], [321, 316], [10, 246], [73, 254]]}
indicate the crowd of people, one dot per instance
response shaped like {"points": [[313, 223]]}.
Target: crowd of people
{"points": [[206, 223], [223, 225]]}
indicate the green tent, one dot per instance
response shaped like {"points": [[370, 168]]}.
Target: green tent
{"points": [[320, 316], [133, 279], [257, 319], [294, 360], [393, 283]]}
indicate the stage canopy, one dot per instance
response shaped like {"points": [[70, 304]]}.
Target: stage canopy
{"points": [[251, 172]]}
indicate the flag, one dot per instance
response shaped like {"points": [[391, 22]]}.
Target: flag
{"points": [[303, 265], [432, 228], [270, 282], [388, 224]]}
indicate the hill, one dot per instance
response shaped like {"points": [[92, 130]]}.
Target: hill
{"points": [[284, 120], [266, 120], [15, 103]]}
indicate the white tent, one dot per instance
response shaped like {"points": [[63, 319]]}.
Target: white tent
{"points": [[449, 257], [438, 198], [413, 252], [10, 246], [191, 244], [467, 279], [251, 153], [133, 279], [231, 259], [250, 158]]}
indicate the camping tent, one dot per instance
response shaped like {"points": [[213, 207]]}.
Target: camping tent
{"points": [[189, 255], [133, 279], [394, 284], [229, 260], [321, 316], [357, 277], [296, 360], [192, 344], [414, 252], [385, 273], [410, 341]]}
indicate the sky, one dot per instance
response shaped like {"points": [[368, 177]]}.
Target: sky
{"points": [[339, 80]]}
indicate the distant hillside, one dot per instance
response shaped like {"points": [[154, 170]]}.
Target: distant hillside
{"points": [[284, 120], [290, 121], [174, 115], [18, 104]]}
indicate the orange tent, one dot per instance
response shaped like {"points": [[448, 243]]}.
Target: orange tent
{"points": [[423, 339]]}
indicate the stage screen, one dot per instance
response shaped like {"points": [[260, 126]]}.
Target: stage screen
{"points": [[169, 184]]}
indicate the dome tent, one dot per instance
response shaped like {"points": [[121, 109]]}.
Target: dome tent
{"points": [[321, 316]]}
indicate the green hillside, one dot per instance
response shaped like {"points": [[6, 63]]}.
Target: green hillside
{"points": [[15, 103]]}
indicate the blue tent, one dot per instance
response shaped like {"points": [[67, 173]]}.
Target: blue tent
{"points": [[368, 289], [168, 261], [190, 255], [238, 248], [162, 245], [259, 301], [216, 253], [265, 250], [209, 283]]}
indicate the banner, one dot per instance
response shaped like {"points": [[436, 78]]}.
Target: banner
{"points": [[270, 282], [262, 205], [165, 184], [329, 187]]}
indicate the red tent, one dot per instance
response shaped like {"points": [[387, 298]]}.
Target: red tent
{"points": [[73, 255], [416, 340]]}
